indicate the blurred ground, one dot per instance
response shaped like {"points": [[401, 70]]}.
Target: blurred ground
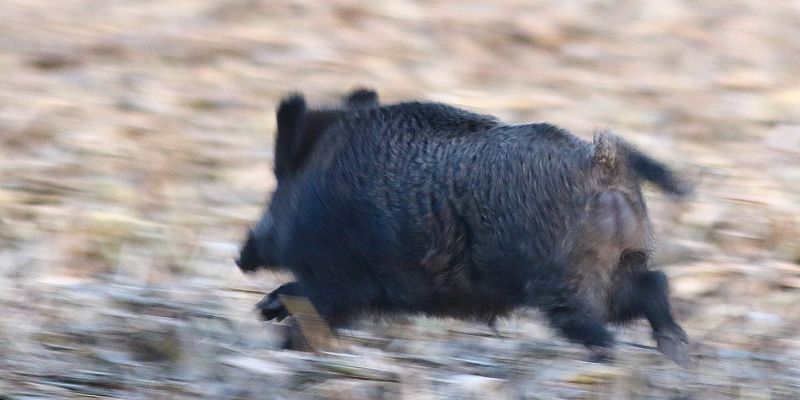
{"points": [[136, 145]]}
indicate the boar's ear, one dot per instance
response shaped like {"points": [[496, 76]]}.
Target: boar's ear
{"points": [[361, 97], [299, 129], [291, 118]]}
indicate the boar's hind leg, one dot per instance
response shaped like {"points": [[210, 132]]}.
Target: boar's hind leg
{"points": [[579, 323], [645, 293], [270, 306]]}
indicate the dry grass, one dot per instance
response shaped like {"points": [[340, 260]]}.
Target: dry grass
{"points": [[135, 148]]}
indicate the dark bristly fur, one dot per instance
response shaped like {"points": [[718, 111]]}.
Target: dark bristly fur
{"points": [[426, 208]]}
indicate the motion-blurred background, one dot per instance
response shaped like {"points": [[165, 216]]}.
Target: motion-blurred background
{"points": [[136, 146]]}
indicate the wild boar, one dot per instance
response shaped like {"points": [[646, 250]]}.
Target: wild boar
{"points": [[424, 208]]}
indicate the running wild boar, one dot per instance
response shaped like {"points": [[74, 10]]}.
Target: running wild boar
{"points": [[424, 208]]}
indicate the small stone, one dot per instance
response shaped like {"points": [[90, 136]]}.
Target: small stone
{"points": [[600, 374], [255, 365], [476, 387]]}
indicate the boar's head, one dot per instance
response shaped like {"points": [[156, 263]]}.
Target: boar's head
{"points": [[298, 131]]}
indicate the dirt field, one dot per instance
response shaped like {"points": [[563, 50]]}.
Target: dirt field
{"points": [[136, 146]]}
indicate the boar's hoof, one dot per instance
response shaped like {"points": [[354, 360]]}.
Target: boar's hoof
{"points": [[598, 354], [492, 324], [271, 308], [674, 344]]}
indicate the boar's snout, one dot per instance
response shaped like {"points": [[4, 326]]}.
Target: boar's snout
{"points": [[249, 258], [259, 250]]}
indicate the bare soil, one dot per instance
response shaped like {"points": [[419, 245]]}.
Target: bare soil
{"points": [[136, 146]]}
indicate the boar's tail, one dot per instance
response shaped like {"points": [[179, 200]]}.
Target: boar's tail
{"points": [[610, 150], [657, 173]]}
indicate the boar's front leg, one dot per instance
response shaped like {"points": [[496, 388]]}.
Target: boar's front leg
{"points": [[270, 306], [336, 307], [644, 293]]}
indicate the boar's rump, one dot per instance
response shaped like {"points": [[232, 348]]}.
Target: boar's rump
{"points": [[426, 208]]}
